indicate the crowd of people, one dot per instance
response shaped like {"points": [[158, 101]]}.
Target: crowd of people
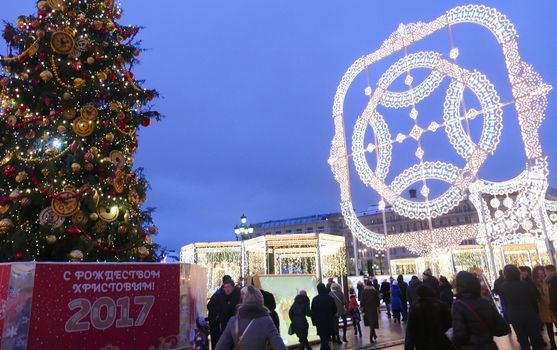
{"points": [[435, 316]]}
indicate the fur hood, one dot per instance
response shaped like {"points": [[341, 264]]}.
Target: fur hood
{"points": [[251, 311]]}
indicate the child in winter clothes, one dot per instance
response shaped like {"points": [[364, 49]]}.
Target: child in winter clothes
{"points": [[354, 312]]}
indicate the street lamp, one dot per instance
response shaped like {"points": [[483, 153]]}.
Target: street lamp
{"points": [[243, 230]]}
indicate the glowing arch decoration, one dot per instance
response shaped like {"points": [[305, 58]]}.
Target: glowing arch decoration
{"points": [[519, 210]]}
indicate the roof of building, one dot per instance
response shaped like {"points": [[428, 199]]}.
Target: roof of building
{"points": [[296, 221]]}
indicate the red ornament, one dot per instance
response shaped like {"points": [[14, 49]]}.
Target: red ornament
{"points": [[121, 124], [9, 171], [146, 122], [22, 108], [47, 101], [74, 230], [19, 256], [153, 230]]}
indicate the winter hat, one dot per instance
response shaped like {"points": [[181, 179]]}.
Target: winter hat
{"points": [[336, 287], [253, 296], [428, 273]]}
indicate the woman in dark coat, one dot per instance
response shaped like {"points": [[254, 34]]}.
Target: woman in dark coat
{"points": [[323, 315], [522, 305], [298, 313], [475, 320], [428, 320], [370, 306], [446, 291], [403, 286]]}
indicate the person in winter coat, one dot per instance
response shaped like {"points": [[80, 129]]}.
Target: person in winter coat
{"points": [[360, 288], [544, 307], [396, 301], [430, 281], [411, 291], [428, 320], [522, 302], [446, 291], [475, 320], [299, 311], [323, 315], [270, 303], [251, 327], [354, 313], [551, 280], [370, 306], [403, 286], [221, 308], [342, 311], [385, 291]]}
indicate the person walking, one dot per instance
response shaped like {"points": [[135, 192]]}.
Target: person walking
{"points": [[221, 308], [551, 280], [298, 313], [522, 301], [446, 291], [428, 320], [396, 301], [342, 311], [354, 313], [323, 315], [370, 306], [360, 289], [270, 303], [251, 327], [403, 286], [385, 291], [475, 320], [544, 307], [411, 291]]}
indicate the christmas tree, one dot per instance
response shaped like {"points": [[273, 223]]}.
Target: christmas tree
{"points": [[70, 110]]}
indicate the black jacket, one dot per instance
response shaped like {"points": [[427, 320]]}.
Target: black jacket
{"points": [[323, 313], [428, 321], [270, 303], [385, 291], [446, 294], [222, 307], [411, 290], [403, 286], [551, 280], [522, 301], [298, 312], [433, 283], [469, 333]]}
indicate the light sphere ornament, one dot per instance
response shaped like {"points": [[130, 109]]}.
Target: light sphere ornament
{"points": [[51, 239], [75, 255], [461, 181]]}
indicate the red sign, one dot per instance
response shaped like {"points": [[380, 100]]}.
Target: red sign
{"points": [[104, 306], [4, 288]]}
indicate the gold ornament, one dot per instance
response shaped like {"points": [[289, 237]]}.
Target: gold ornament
{"points": [[117, 158], [51, 239], [89, 112], [24, 76], [94, 150], [4, 208], [6, 225], [67, 96], [90, 60], [143, 252], [109, 137], [69, 113], [11, 120], [62, 129], [108, 214], [75, 255], [76, 167], [41, 5], [65, 207], [46, 75], [62, 42], [133, 197], [119, 183], [80, 218], [83, 127], [100, 226], [78, 82], [93, 216], [102, 76]]}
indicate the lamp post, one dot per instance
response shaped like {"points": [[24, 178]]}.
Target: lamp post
{"points": [[380, 256], [243, 231]]}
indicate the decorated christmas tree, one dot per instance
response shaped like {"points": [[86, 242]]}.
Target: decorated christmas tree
{"points": [[70, 112]]}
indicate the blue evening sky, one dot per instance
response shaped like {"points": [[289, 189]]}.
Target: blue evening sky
{"points": [[247, 89]]}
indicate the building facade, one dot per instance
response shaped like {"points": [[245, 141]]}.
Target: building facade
{"points": [[360, 258]]}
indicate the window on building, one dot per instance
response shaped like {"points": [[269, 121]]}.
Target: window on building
{"points": [[298, 230], [309, 229], [288, 231], [278, 232]]}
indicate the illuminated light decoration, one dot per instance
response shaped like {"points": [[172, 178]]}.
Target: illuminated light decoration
{"points": [[529, 97]]}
